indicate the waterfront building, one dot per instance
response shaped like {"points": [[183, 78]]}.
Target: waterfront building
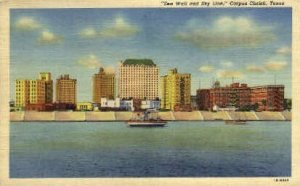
{"points": [[150, 104], [66, 90], [22, 92], [46, 77], [127, 104], [31, 94], [236, 95], [37, 92], [268, 97], [240, 96], [138, 79], [176, 91], [84, 106], [110, 103], [233, 96], [117, 104], [103, 86]]}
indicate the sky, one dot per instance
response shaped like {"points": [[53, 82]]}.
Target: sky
{"points": [[246, 45]]}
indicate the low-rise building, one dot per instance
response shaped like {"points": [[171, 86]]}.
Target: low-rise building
{"points": [[84, 106], [117, 104], [150, 104], [110, 103], [127, 104]]}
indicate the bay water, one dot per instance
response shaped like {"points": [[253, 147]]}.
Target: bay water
{"points": [[181, 149]]}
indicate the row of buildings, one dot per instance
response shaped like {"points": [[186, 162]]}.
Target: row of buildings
{"points": [[140, 87], [138, 81]]}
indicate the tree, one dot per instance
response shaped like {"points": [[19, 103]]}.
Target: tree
{"points": [[287, 104], [264, 102]]}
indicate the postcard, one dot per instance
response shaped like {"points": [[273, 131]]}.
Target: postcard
{"points": [[149, 92]]}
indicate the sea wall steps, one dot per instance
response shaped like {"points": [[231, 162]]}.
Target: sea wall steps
{"points": [[170, 116]]}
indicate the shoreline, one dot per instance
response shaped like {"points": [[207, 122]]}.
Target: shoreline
{"points": [[95, 116]]}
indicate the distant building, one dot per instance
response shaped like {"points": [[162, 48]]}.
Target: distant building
{"points": [[117, 104], [269, 97], [22, 90], [236, 95], [66, 90], [239, 96], [84, 106], [138, 79], [176, 91], [103, 86], [110, 103], [127, 104], [37, 92], [227, 98], [150, 104], [34, 92], [46, 77]]}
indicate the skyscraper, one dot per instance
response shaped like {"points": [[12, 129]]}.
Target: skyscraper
{"points": [[103, 86], [46, 77], [175, 90], [66, 89], [138, 79]]}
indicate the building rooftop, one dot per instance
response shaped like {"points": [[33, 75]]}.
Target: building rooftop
{"points": [[147, 62]]}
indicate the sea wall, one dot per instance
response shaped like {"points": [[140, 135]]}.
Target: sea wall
{"points": [[171, 116]]}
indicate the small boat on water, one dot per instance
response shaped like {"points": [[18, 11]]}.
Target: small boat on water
{"points": [[149, 118], [235, 122], [238, 119]]}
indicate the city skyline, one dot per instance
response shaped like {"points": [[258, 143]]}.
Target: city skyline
{"points": [[254, 47]]}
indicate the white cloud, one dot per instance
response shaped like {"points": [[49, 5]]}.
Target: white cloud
{"points": [[119, 28], [284, 50], [226, 64], [275, 65], [229, 74], [91, 61], [88, 33], [27, 24], [48, 37], [206, 68], [255, 69], [227, 32]]}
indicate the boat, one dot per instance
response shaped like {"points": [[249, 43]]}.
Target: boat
{"points": [[238, 121], [149, 118], [235, 122]]}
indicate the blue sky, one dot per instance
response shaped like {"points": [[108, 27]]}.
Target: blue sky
{"points": [[253, 45]]}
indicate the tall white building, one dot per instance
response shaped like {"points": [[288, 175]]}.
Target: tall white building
{"points": [[138, 79]]}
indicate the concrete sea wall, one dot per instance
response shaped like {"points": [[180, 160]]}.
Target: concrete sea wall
{"points": [[171, 116]]}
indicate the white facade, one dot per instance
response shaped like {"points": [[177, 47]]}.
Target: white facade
{"points": [[148, 104], [117, 103], [110, 103], [127, 105]]}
